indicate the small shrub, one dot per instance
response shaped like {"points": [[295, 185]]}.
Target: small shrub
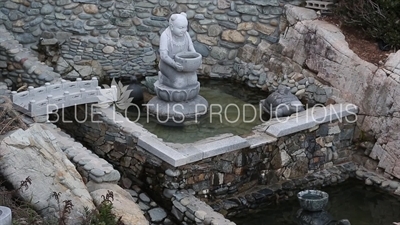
{"points": [[104, 214], [380, 19]]}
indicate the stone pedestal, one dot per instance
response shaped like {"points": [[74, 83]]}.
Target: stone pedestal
{"points": [[177, 113], [170, 94]]}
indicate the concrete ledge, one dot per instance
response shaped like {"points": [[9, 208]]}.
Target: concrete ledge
{"points": [[161, 150], [222, 146], [190, 153], [310, 118], [256, 141], [177, 154]]}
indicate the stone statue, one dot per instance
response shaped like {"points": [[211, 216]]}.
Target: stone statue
{"points": [[175, 39], [281, 103], [177, 87]]}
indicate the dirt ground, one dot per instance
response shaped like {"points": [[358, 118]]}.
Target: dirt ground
{"points": [[365, 47]]}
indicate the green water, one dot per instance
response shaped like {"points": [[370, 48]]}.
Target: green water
{"points": [[233, 109], [352, 200]]}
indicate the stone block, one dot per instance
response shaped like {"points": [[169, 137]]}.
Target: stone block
{"points": [[221, 146], [259, 140], [162, 151], [311, 118], [192, 154]]}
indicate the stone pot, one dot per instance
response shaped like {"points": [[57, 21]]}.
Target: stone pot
{"points": [[190, 61], [313, 200], [5, 216]]}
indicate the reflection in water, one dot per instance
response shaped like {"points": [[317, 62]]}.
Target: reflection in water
{"points": [[233, 109], [352, 200]]}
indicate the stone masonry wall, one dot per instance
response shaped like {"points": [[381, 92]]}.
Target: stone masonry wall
{"points": [[113, 38], [220, 176], [122, 36], [19, 67]]}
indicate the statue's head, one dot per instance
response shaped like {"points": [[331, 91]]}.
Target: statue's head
{"points": [[178, 24]]}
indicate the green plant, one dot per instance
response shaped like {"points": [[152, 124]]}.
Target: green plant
{"points": [[378, 18], [103, 215]]}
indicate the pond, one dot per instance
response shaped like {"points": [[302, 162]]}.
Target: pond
{"points": [[234, 108], [352, 200]]}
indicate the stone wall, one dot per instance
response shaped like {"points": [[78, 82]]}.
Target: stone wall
{"points": [[19, 67], [272, 72], [216, 177], [238, 39], [122, 36]]}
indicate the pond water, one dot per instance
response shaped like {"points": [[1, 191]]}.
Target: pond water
{"points": [[311, 196], [234, 108], [352, 200]]}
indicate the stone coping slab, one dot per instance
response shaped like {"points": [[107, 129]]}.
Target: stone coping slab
{"points": [[177, 154], [311, 118]]}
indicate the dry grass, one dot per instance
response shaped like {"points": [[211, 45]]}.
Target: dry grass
{"points": [[10, 119], [23, 213]]}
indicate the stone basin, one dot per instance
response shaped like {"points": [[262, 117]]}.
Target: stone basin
{"points": [[313, 200], [190, 61]]}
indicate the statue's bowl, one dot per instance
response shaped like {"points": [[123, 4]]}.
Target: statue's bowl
{"points": [[190, 61], [313, 200]]}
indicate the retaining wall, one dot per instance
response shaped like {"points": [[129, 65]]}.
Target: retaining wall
{"points": [[218, 167], [123, 36], [237, 39], [19, 66]]}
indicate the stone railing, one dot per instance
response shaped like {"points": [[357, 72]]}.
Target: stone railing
{"points": [[42, 100]]}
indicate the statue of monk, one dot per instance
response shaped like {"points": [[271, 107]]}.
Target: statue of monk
{"points": [[173, 40]]}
